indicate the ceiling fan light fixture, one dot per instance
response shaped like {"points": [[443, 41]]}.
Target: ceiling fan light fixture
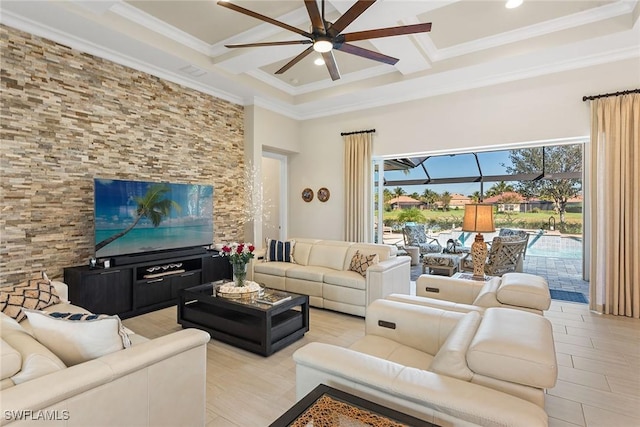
{"points": [[512, 4], [319, 61], [322, 45]]}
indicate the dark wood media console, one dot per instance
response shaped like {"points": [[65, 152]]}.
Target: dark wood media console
{"points": [[140, 287]]}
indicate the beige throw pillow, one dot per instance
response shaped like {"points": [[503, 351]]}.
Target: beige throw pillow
{"points": [[77, 338]]}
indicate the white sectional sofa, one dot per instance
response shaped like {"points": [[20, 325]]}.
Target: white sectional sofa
{"points": [[445, 367], [159, 382], [320, 269]]}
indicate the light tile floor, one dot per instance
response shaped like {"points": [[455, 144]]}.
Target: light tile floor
{"points": [[598, 368]]}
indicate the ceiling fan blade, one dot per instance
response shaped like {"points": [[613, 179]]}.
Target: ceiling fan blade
{"points": [[269, 44], [331, 64], [256, 15], [314, 14], [351, 15], [387, 32], [366, 53], [295, 60]]}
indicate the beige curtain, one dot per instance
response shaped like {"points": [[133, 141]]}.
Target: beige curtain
{"points": [[357, 181], [615, 205]]}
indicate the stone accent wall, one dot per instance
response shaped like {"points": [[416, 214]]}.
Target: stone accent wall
{"points": [[69, 117]]}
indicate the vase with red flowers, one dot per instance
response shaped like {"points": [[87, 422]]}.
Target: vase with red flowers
{"points": [[239, 255]]}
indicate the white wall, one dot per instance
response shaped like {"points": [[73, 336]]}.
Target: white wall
{"points": [[542, 108], [275, 132], [265, 131]]}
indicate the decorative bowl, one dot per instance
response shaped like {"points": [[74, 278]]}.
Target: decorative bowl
{"points": [[249, 292]]}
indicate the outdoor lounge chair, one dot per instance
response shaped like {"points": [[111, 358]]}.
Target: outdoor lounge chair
{"points": [[415, 235], [505, 256], [513, 232]]}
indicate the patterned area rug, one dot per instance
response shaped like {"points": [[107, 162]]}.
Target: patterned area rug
{"points": [[568, 296]]}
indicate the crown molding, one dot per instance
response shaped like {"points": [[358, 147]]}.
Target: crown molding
{"points": [[610, 48], [576, 56], [575, 20], [274, 106], [23, 24], [154, 24]]}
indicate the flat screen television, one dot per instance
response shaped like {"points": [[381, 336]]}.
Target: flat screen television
{"points": [[134, 217]]}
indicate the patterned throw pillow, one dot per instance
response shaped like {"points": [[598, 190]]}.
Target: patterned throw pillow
{"points": [[360, 262], [35, 295], [78, 337], [280, 251]]}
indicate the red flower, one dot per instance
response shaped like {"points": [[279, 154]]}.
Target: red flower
{"points": [[238, 252]]}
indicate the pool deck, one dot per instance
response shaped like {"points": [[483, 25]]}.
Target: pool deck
{"points": [[561, 273]]}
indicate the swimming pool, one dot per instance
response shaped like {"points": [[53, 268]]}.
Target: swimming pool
{"points": [[540, 243], [555, 246]]}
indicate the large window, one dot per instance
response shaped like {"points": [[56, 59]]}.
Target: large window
{"points": [[544, 180]]}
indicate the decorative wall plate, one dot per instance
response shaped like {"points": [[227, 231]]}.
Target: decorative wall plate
{"points": [[323, 194], [307, 195]]}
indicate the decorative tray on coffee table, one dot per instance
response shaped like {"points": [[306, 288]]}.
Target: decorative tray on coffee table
{"points": [[229, 291]]}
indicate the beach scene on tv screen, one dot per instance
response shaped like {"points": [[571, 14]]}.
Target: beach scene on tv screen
{"points": [[136, 216]]}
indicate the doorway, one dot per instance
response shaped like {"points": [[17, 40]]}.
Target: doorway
{"points": [[274, 200]]}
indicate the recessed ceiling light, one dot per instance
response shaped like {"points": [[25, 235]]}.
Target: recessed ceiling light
{"points": [[319, 61], [512, 4]]}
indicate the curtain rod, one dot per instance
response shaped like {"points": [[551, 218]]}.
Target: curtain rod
{"points": [[624, 92], [358, 131]]}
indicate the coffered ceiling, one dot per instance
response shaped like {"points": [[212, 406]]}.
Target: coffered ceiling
{"points": [[471, 44]]}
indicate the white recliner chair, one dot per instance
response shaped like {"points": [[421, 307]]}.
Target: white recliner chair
{"points": [[520, 291], [453, 369]]}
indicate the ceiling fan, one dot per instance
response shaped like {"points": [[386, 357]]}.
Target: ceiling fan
{"points": [[326, 36]]}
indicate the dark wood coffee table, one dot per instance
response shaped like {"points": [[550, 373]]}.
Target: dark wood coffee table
{"points": [[327, 406], [253, 326]]}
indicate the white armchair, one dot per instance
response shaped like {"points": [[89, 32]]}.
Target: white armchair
{"points": [[521, 291], [444, 367]]}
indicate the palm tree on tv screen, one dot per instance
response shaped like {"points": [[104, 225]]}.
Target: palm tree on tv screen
{"points": [[152, 206]]}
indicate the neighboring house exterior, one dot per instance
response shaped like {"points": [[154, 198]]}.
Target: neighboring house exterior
{"points": [[574, 204], [515, 201], [405, 202], [458, 201]]}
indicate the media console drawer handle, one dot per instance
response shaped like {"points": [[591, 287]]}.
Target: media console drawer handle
{"points": [[110, 272], [187, 274], [155, 281]]}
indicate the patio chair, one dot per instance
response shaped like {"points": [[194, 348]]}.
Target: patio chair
{"points": [[513, 232], [505, 256], [415, 235]]}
